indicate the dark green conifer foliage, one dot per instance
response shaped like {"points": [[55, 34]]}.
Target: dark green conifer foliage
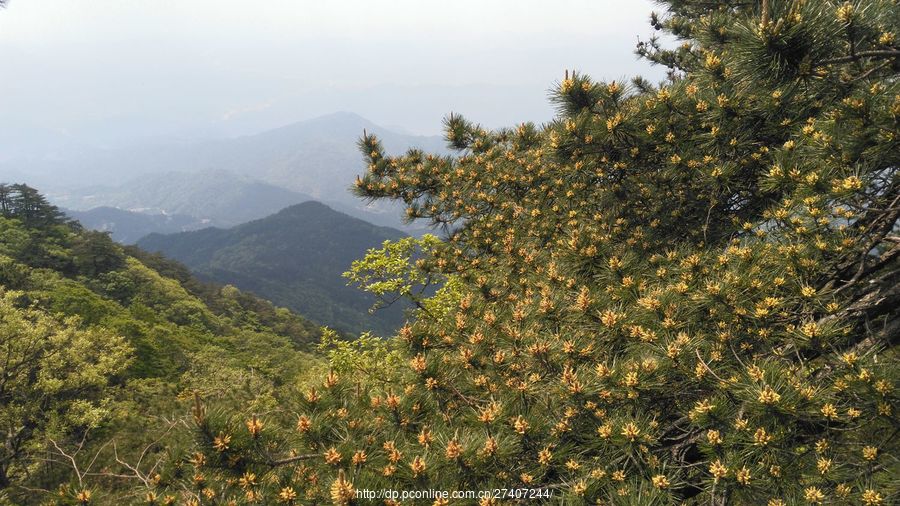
{"points": [[26, 204]]}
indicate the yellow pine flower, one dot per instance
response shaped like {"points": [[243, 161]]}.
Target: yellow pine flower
{"points": [[813, 495], [583, 301], [631, 379], [332, 456], [761, 437], [769, 396], [84, 496], [718, 470], [425, 437], [631, 431], [254, 426], [755, 372], [609, 318], [331, 379], [418, 363], [545, 456], [823, 465], [845, 12], [579, 488], [490, 447], [871, 497], [247, 480], [604, 431], [489, 413], [713, 437], [417, 466], [613, 122], [392, 401], [520, 425], [870, 452], [287, 494], [701, 407], [743, 476], [220, 442], [454, 450], [843, 490], [660, 481], [342, 491]]}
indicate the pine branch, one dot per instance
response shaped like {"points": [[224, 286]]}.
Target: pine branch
{"points": [[878, 53], [291, 460]]}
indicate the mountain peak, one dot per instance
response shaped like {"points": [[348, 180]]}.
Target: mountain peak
{"points": [[343, 124], [295, 258]]}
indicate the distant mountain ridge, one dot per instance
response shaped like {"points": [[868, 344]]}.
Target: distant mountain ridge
{"points": [[317, 158], [294, 258], [216, 197], [127, 227]]}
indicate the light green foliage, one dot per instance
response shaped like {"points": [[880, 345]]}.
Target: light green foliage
{"points": [[100, 348], [54, 376], [444, 302], [396, 270], [366, 357]]}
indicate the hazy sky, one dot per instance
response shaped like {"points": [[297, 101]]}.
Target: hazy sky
{"points": [[96, 68]]}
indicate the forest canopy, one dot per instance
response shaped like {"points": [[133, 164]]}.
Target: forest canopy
{"points": [[101, 348]]}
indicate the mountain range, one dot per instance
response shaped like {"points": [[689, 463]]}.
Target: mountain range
{"points": [[295, 258], [211, 197], [127, 227], [314, 159]]}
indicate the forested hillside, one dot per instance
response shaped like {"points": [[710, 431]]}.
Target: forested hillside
{"points": [[294, 258], [100, 346]]}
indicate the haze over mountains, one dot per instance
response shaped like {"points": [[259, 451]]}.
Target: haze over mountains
{"points": [[294, 258], [127, 227], [225, 181], [212, 197]]}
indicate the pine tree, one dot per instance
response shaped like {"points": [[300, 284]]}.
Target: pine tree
{"points": [[23, 202], [677, 293]]}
